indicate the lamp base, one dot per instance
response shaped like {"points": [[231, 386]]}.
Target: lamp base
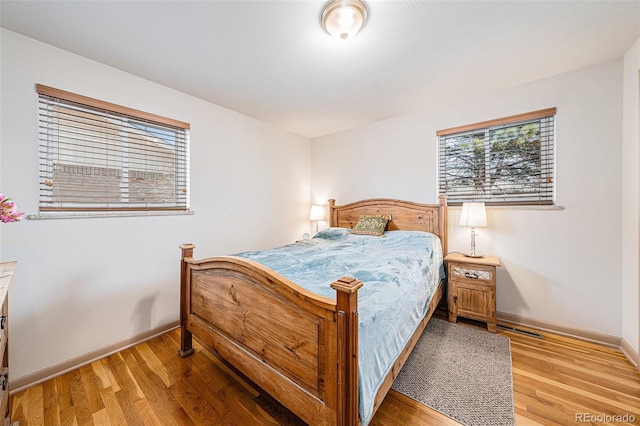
{"points": [[475, 255], [473, 252]]}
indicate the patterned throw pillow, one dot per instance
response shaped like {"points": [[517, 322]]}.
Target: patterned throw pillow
{"points": [[371, 224]]}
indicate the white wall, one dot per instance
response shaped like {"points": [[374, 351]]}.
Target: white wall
{"points": [[84, 284], [562, 267], [630, 190]]}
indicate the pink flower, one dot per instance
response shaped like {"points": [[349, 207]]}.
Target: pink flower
{"points": [[8, 210]]}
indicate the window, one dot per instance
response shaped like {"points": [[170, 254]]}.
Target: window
{"points": [[508, 161], [96, 156]]}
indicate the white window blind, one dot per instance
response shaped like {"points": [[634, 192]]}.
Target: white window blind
{"points": [[97, 156], [508, 161]]}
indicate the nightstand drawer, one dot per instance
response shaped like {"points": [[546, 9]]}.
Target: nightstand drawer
{"points": [[471, 272]]}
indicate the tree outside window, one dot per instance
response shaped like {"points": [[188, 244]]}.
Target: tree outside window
{"points": [[509, 162]]}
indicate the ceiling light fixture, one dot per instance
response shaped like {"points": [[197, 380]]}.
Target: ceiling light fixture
{"points": [[344, 18]]}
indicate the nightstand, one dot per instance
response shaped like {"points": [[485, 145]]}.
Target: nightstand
{"points": [[471, 288]]}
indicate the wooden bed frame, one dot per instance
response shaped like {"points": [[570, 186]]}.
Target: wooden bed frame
{"points": [[299, 347]]}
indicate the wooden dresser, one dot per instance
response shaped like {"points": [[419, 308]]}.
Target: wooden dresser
{"points": [[6, 273]]}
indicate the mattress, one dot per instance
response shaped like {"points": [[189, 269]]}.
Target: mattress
{"points": [[400, 272]]}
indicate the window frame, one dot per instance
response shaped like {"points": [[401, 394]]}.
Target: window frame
{"points": [[547, 159], [132, 121]]}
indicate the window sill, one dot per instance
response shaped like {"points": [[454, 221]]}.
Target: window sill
{"points": [[516, 207], [83, 215]]}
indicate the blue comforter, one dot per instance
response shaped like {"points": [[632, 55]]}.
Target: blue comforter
{"points": [[400, 272]]}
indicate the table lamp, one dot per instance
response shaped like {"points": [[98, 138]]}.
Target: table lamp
{"points": [[316, 214], [473, 215]]}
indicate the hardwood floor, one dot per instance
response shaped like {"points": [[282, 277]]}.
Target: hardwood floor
{"points": [[555, 379]]}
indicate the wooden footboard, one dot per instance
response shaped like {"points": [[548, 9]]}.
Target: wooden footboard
{"points": [[284, 338]]}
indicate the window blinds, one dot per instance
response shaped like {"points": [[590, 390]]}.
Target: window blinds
{"points": [[97, 156], [507, 161]]}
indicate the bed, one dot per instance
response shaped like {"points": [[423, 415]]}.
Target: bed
{"points": [[301, 346]]}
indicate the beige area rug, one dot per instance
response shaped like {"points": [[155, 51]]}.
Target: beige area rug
{"points": [[462, 372]]}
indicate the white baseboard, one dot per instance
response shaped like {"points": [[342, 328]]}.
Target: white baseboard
{"points": [[630, 353], [591, 336], [21, 383], [603, 339]]}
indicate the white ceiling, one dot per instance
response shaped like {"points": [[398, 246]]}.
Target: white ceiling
{"points": [[271, 59]]}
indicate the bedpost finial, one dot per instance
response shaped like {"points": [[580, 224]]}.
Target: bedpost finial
{"points": [[187, 250], [347, 285]]}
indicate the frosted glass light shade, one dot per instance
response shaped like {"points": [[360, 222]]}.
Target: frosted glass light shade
{"points": [[344, 18], [317, 213], [473, 215]]}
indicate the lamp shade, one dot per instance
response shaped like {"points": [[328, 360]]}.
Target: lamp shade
{"points": [[317, 213], [344, 18], [473, 215]]}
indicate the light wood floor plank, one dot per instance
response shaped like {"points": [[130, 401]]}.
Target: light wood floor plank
{"points": [[50, 403], [91, 389], [112, 407], [555, 379], [154, 363], [80, 399], [68, 416], [103, 372], [101, 418], [154, 390], [30, 405]]}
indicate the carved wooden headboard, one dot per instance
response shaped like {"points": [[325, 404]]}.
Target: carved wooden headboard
{"points": [[405, 215]]}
